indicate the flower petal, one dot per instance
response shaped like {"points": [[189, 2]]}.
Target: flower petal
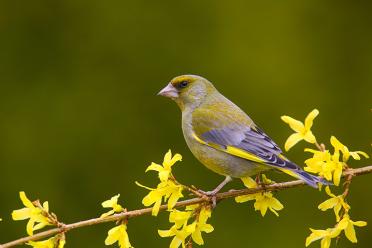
{"points": [[156, 208], [244, 198], [167, 157], [112, 202], [166, 233], [310, 118], [309, 137], [30, 227], [328, 204], [296, 125], [111, 212], [143, 186], [350, 233], [177, 157], [292, 140], [356, 156], [176, 242], [21, 214], [359, 223], [249, 182], [197, 237], [163, 175], [337, 176], [25, 200], [154, 167], [326, 242]]}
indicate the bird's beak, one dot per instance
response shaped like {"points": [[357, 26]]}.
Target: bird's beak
{"points": [[169, 91]]}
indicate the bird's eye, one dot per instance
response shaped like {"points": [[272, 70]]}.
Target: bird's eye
{"points": [[183, 84]]}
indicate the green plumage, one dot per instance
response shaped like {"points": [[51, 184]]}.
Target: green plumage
{"points": [[222, 136]]}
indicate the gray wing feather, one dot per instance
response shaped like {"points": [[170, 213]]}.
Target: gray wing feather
{"points": [[252, 140]]}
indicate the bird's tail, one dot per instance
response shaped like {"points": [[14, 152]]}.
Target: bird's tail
{"points": [[309, 179]]}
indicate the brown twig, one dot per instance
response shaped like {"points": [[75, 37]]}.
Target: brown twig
{"points": [[145, 211]]}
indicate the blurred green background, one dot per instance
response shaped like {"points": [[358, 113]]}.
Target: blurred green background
{"points": [[80, 119]]}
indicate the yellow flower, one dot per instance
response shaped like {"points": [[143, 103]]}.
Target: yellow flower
{"points": [[303, 131], [165, 170], [112, 203], [347, 225], [168, 190], [324, 235], [266, 201], [345, 151], [61, 243], [35, 214], [180, 235], [318, 163], [180, 230], [58, 241], [202, 226], [325, 165], [249, 182], [49, 243], [263, 200], [335, 202], [118, 234], [179, 218]]}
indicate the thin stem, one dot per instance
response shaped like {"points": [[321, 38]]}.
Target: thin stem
{"points": [[145, 211], [321, 147]]}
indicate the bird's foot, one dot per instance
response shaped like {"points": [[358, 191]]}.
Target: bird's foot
{"points": [[258, 179], [212, 195]]}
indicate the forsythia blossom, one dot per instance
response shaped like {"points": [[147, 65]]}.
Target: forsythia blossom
{"points": [[320, 163], [36, 213], [181, 230], [324, 235], [302, 130], [202, 226], [329, 165], [346, 225], [166, 170], [112, 203], [167, 189], [54, 242], [338, 146], [335, 202], [118, 234], [263, 200]]}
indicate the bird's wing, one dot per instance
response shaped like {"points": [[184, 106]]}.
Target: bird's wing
{"points": [[236, 134]]}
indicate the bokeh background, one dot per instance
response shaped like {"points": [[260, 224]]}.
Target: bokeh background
{"points": [[80, 120]]}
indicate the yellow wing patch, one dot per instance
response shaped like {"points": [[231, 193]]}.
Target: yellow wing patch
{"points": [[232, 150], [243, 154], [198, 139]]}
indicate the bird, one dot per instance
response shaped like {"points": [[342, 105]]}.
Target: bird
{"points": [[223, 137]]}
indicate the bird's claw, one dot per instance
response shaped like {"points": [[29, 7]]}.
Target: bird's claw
{"points": [[207, 193], [211, 195]]}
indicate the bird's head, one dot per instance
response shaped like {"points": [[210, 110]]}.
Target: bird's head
{"points": [[188, 90]]}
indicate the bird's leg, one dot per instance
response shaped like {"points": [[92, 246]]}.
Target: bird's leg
{"points": [[213, 193], [258, 178], [218, 188]]}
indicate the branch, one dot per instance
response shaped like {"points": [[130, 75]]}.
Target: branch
{"points": [[135, 213]]}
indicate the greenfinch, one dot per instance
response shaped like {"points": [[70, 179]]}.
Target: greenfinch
{"points": [[224, 138]]}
